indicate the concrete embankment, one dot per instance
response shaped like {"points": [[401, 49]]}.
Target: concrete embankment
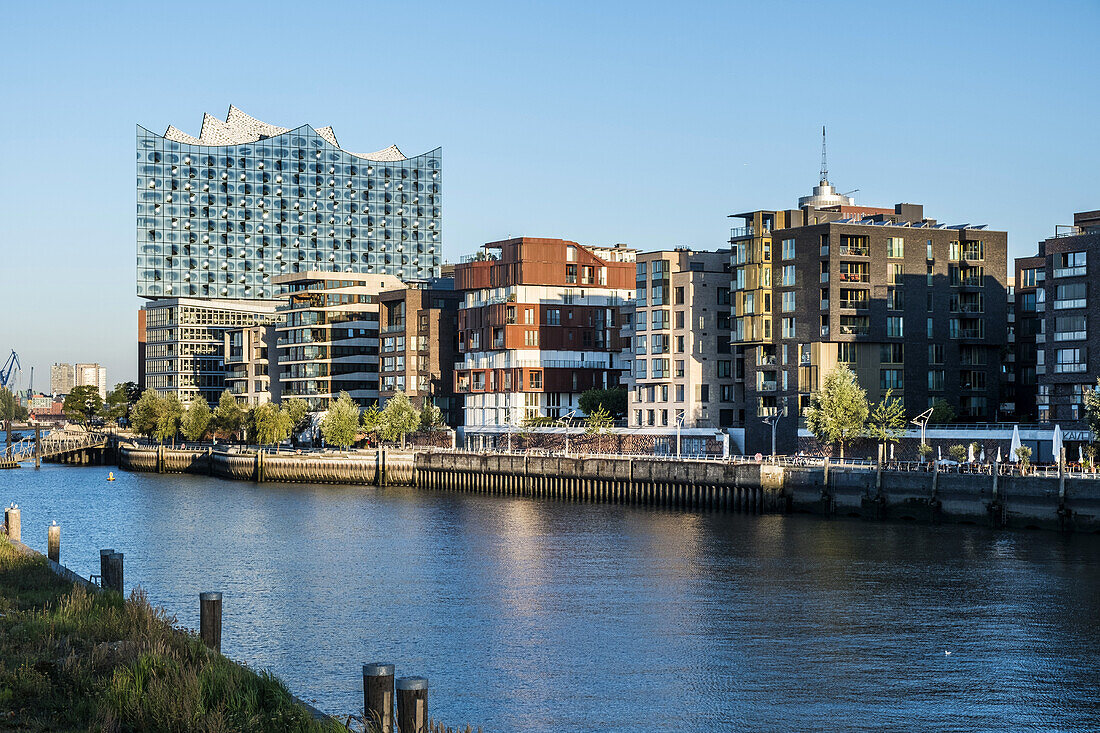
{"points": [[1065, 503], [382, 468]]}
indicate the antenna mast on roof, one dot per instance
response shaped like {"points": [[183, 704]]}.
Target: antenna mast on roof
{"points": [[824, 164]]}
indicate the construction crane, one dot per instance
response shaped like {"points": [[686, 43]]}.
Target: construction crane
{"points": [[9, 370]]}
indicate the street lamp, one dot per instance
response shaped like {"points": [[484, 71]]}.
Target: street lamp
{"points": [[773, 420], [921, 421], [679, 424], [564, 420]]}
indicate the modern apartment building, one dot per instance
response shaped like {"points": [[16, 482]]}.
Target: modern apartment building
{"points": [[329, 340], [90, 375], [220, 215], [1058, 322], [62, 378], [185, 342], [911, 305], [419, 336], [539, 325], [682, 373], [251, 374]]}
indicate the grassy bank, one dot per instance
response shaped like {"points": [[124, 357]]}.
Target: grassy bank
{"points": [[71, 659]]}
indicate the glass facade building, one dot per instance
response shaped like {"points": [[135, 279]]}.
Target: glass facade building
{"points": [[222, 214]]}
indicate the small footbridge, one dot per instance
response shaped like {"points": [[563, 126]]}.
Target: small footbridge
{"points": [[66, 446]]}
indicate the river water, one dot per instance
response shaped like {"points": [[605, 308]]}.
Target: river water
{"points": [[533, 615]]}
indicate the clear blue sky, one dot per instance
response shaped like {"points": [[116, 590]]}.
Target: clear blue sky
{"points": [[644, 123]]}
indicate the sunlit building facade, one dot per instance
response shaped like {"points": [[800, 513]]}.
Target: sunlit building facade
{"points": [[220, 215]]}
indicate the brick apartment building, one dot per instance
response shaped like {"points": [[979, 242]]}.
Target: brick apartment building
{"points": [[539, 325], [419, 344], [907, 303], [1057, 330]]}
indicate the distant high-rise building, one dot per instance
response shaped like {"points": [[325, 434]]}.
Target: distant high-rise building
{"points": [[62, 378], [91, 375], [220, 215]]}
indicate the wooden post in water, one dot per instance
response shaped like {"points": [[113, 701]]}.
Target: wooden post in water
{"points": [[378, 697], [37, 447], [412, 705], [210, 619], [53, 542], [103, 555], [7, 438], [114, 572], [13, 518]]}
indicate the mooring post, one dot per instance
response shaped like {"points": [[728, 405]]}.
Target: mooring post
{"points": [[7, 438], [12, 517], [114, 572], [210, 619], [37, 447], [378, 697], [935, 478], [53, 542], [103, 570], [412, 705], [996, 478]]}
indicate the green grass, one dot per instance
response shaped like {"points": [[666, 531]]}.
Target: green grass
{"points": [[75, 660]]}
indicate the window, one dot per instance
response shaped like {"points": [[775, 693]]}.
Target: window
{"points": [[855, 325], [931, 328], [660, 368], [788, 249], [659, 344], [894, 273], [531, 338], [571, 256], [893, 299], [679, 344], [571, 273], [846, 353], [928, 251], [931, 275], [1029, 277], [1070, 360], [895, 247], [553, 316], [935, 380], [641, 270], [679, 295], [679, 367], [973, 251], [639, 345], [1070, 328], [851, 244], [529, 316], [953, 251], [658, 293], [1072, 295], [640, 295], [895, 326], [892, 353], [788, 275], [788, 301], [536, 380], [639, 368], [891, 379], [1069, 264], [679, 319], [788, 328], [660, 320], [725, 370]]}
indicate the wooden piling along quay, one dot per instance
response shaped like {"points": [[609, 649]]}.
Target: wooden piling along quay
{"points": [[692, 485]]}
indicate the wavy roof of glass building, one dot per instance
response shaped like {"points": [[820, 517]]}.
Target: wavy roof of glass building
{"points": [[219, 215]]}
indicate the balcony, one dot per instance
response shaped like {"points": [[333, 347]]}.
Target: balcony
{"points": [[824, 277], [860, 304], [850, 251], [825, 304], [1041, 338], [854, 330], [855, 277], [1078, 271], [1070, 368], [394, 327], [824, 332], [766, 385], [968, 333], [1067, 304]]}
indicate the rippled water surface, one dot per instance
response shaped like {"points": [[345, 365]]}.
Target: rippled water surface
{"points": [[541, 616]]}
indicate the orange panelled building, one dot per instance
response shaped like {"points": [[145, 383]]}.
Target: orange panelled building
{"points": [[539, 326]]}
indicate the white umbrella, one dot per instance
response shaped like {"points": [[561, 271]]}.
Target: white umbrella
{"points": [[982, 456], [1014, 445], [970, 453], [998, 454], [939, 453], [1080, 454], [891, 451], [1056, 444]]}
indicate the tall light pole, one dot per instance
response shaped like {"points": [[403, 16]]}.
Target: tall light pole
{"points": [[679, 424], [565, 421], [773, 420], [921, 421]]}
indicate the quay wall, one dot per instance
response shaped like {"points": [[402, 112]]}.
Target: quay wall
{"points": [[375, 468], [1065, 503]]}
